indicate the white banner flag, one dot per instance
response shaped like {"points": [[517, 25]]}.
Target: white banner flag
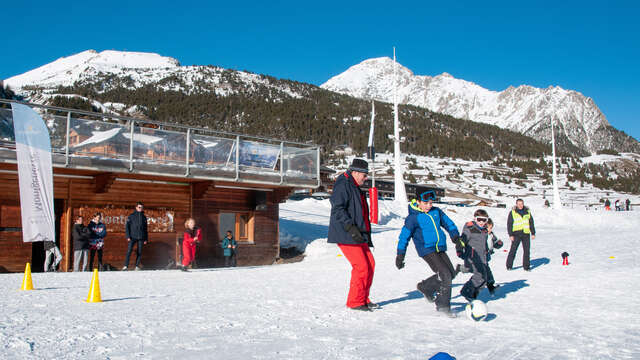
{"points": [[33, 151]]}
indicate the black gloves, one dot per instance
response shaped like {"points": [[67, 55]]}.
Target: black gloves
{"points": [[498, 244], [355, 233], [400, 261], [459, 246]]}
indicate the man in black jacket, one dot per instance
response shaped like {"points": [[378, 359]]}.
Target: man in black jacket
{"points": [[80, 235], [350, 228], [520, 227], [136, 232]]}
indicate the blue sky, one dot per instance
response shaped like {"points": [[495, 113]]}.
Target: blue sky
{"points": [[591, 47]]}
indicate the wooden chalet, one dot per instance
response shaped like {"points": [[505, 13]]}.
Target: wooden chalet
{"points": [[225, 181]]}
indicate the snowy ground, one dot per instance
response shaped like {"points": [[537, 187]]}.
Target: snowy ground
{"points": [[588, 309]]}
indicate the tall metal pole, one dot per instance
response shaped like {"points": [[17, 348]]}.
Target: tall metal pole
{"points": [[400, 193], [556, 193]]}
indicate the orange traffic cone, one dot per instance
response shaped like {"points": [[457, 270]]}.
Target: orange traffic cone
{"points": [[94, 290], [27, 283]]}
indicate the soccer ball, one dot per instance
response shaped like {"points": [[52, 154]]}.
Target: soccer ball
{"points": [[476, 310]]}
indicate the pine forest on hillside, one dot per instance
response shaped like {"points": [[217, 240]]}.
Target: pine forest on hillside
{"points": [[331, 120]]}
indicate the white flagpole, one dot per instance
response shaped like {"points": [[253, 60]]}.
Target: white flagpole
{"points": [[400, 193], [556, 193]]}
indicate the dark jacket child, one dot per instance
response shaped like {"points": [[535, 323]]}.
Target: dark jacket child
{"points": [[96, 243], [474, 235], [424, 225], [137, 234], [80, 235], [229, 246]]}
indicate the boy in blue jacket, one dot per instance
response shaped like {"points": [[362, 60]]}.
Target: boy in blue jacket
{"points": [[424, 225]]}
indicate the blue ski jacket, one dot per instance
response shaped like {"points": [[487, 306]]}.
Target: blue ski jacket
{"points": [[426, 230]]}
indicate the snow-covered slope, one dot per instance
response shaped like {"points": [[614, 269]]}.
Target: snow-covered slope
{"points": [[524, 109], [110, 69], [297, 311], [67, 70]]}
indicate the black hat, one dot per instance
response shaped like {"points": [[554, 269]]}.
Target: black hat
{"points": [[359, 165]]}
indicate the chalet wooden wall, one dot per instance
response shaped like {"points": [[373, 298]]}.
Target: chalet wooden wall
{"points": [[265, 247], [73, 193]]}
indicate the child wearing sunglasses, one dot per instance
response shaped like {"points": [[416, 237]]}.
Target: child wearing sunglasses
{"points": [[424, 225], [474, 252]]}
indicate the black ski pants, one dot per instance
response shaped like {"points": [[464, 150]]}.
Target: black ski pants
{"points": [[92, 254], [526, 245], [138, 251], [440, 282]]}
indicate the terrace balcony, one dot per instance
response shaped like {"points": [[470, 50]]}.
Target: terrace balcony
{"points": [[109, 143]]}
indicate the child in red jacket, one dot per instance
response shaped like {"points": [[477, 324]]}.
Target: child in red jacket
{"points": [[192, 236]]}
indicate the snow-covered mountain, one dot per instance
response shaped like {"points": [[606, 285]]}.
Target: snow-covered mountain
{"points": [[133, 70], [524, 109]]}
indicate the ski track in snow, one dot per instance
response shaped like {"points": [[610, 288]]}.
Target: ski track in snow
{"points": [[296, 311]]}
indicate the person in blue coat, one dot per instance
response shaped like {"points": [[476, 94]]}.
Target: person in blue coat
{"points": [[229, 245], [424, 225], [349, 227]]}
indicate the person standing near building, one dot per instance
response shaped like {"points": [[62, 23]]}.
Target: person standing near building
{"points": [[424, 225], [350, 229], [521, 230], [98, 233], [51, 250], [192, 236], [136, 233], [229, 246], [80, 235]]}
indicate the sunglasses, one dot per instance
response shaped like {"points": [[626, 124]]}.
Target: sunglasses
{"points": [[481, 219], [428, 195]]}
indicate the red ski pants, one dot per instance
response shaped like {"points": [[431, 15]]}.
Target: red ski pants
{"points": [[188, 252], [362, 268]]}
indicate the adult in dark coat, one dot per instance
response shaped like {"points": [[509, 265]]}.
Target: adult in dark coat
{"points": [[350, 228], [136, 232], [521, 230], [80, 235]]}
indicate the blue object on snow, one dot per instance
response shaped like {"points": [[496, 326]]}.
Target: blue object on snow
{"points": [[442, 356]]}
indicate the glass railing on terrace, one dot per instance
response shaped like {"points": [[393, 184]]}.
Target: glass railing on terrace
{"points": [[112, 143]]}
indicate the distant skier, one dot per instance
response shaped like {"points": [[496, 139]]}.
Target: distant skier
{"points": [[628, 204], [521, 230], [350, 228], [423, 225], [607, 204]]}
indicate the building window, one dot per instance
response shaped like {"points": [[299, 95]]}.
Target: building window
{"points": [[242, 225]]}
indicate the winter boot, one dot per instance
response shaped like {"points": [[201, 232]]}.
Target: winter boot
{"points": [[492, 288], [373, 306], [361, 308], [468, 292], [429, 295]]}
